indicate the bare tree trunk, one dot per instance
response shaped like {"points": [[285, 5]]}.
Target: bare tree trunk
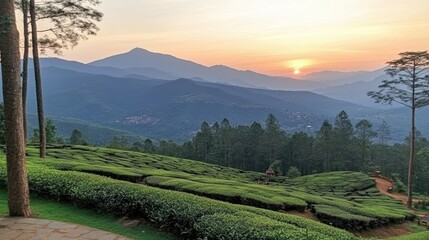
{"points": [[18, 197], [411, 160], [24, 4], [38, 77]]}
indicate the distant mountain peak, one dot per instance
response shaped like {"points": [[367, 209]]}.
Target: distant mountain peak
{"points": [[220, 66], [138, 50], [174, 66], [141, 51]]}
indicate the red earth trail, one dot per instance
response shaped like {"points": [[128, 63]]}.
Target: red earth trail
{"points": [[383, 186]]}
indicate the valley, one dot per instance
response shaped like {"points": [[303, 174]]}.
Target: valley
{"points": [[109, 95]]}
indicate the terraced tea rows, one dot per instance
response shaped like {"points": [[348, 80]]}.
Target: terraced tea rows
{"points": [[187, 215], [344, 199]]}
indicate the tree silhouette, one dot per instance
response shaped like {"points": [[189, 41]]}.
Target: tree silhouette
{"points": [[17, 184], [408, 86], [68, 21]]}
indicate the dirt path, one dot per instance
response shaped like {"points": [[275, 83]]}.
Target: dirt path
{"points": [[383, 232], [383, 185], [386, 232]]}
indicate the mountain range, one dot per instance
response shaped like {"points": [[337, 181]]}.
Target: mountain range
{"points": [[161, 96], [176, 108]]}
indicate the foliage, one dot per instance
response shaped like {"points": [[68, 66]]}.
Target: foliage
{"points": [[383, 132], [414, 236], [293, 172], [77, 138], [46, 208], [276, 166], [184, 213], [409, 83], [399, 186], [51, 133], [364, 135], [422, 170], [333, 148], [68, 22], [350, 192], [337, 217], [409, 86], [423, 205], [118, 142]]}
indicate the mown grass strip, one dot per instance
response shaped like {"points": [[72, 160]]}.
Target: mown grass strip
{"points": [[45, 208]]}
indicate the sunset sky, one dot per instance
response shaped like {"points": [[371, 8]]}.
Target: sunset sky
{"points": [[275, 37]]}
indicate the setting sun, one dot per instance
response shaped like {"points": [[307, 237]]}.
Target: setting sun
{"points": [[296, 72]]}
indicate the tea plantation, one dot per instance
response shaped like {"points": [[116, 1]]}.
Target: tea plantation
{"points": [[210, 201]]}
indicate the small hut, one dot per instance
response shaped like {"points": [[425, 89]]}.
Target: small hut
{"points": [[270, 172], [377, 173]]}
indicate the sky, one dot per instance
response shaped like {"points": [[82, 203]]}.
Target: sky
{"points": [[276, 37]]}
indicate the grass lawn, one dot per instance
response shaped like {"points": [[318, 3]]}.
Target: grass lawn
{"points": [[415, 236], [48, 209]]}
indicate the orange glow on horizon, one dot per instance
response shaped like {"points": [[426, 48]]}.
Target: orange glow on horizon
{"points": [[274, 37]]}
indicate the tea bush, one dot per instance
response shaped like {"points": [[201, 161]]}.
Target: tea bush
{"points": [[189, 215]]}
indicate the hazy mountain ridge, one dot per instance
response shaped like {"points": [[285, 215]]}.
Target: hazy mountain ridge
{"points": [[142, 73], [138, 58], [356, 92], [127, 100], [143, 64], [337, 77], [175, 109]]}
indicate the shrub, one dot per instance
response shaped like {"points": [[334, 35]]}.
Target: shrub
{"points": [[190, 215], [351, 192], [293, 172], [276, 166], [399, 186], [233, 192], [339, 218], [414, 236], [423, 205], [244, 225]]}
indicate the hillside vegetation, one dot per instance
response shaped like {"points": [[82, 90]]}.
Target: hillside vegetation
{"points": [[185, 214], [346, 200], [154, 107]]}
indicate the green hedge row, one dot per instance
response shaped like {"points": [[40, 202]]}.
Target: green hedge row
{"points": [[342, 219], [233, 194], [191, 216], [275, 198], [414, 236], [244, 225], [350, 192]]}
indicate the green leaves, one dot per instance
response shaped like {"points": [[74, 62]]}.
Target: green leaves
{"points": [[414, 236], [190, 215], [409, 84], [351, 193]]}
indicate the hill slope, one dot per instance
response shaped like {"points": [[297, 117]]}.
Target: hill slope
{"points": [[340, 78], [175, 109], [344, 199], [139, 58]]}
